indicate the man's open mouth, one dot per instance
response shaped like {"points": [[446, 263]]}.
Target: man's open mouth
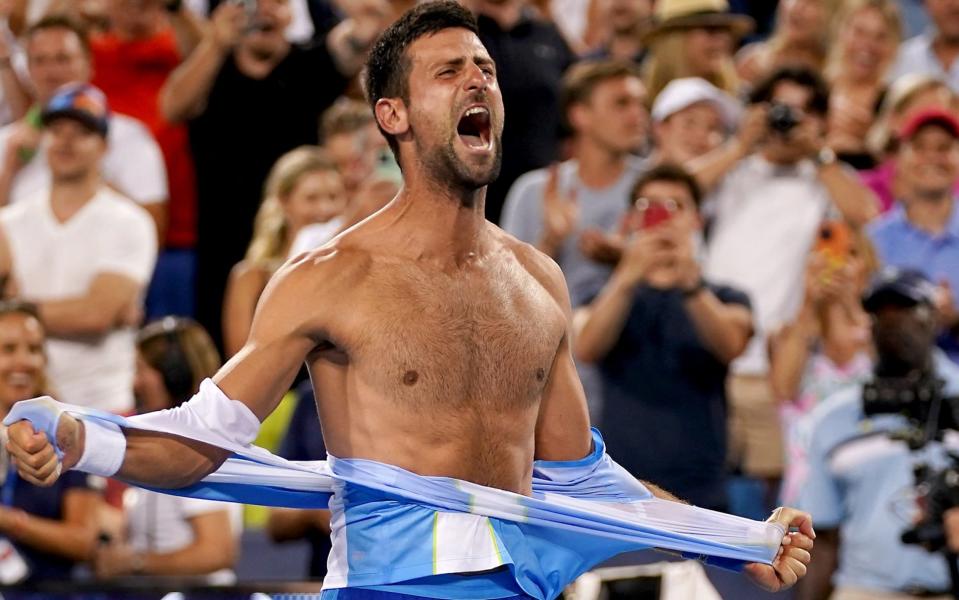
{"points": [[474, 127]]}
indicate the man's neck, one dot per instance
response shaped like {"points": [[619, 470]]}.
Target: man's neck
{"points": [[599, 167], [258, 67], [625, 45], [67, 197], [946, 50], [930, 214], [506, 14]]}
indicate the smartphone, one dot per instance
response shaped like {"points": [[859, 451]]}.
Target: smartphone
{"points": [[249, 6], [834, 242], [656, 213]]}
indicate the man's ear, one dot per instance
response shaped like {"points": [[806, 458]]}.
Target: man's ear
{"points": [[392, 116]]}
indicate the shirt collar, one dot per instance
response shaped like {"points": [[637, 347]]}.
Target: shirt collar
{"points": [[898, 212]]}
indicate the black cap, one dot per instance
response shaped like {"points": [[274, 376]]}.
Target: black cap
{"points": [[900, 287]]}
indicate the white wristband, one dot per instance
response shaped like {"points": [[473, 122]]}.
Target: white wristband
{"points": [[104, 446]]}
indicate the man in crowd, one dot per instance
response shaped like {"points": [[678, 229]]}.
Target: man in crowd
{"points": [[663, 338], [934, 51], [922, 229], [856, 481], [771, 187], [628, 21], [691, 118], [84, 254], [58, 53], [251, 96]]}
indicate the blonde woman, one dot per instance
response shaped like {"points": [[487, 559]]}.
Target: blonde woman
{"points": [[693, 39], [303, 188], [868, 33], [799, 38]]}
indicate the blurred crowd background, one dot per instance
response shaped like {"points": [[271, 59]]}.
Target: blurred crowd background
{"points": [[719, 181]]}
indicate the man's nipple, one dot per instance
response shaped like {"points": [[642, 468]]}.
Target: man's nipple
{"points": [[410, 377]]}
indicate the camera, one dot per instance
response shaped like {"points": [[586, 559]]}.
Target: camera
{"points": [[782, 118], [931, 414]]}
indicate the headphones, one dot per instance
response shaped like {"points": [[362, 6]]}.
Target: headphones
{"points": [[173, 365]]}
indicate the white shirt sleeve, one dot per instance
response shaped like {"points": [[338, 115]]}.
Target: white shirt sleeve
{"points": [[134, 162], [130, 247]]}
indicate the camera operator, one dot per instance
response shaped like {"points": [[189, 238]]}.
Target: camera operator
{"points": [[861, 472], [771, 187]]}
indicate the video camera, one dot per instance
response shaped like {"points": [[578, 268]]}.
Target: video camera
{"points": [[930, 414]]}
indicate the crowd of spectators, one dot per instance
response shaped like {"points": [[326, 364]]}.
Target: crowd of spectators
{"points": [[719, 184]]}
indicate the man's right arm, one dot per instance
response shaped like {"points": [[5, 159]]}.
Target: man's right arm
{"points": [[257, 377], [710, 169]]}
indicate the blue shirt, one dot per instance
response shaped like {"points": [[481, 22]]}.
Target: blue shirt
{"points": [[859, 480]]}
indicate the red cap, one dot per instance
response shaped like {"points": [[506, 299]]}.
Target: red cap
{"points": [[929, 116]]}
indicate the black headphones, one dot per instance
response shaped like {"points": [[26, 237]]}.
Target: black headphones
{"points": [[173, 365]]}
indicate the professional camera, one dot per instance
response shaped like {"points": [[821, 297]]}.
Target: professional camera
{"points": [[782, 118], [930, 414]]}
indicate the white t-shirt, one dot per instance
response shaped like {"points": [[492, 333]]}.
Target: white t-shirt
{"points": [[161, 523], [766, 219], [133, 164], [54, 261]]}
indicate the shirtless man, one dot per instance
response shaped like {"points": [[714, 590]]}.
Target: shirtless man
{"points": [[435, 342]]}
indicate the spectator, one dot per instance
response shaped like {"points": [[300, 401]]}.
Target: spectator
{"points": [[354, 144], [304, 187], [922, 232], [284, 90], [800, 38], [553, 208], [51, 528], [771, 187], [170, 535], [906, 95], [531, 57], [691, 118], [628, 21], [865, 46], [663, 338], [934, 51], [84, 254], [304, 441], [855, 484], [693, 39], [132, 60], [58, 53], [826, 346]]}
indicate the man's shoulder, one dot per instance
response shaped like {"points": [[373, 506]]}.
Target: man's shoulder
{"points": [[837, 418], [539, 265], [125, 129], [915, 47], [115, 209]]}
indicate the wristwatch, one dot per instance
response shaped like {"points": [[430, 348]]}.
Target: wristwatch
{"points": [[825, 157], [697, 287]]}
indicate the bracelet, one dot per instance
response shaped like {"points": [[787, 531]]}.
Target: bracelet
{"points": [[104, 446], [699, 286]]}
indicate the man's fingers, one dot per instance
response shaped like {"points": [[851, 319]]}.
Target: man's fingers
{"points": [[799, 554], [791, 517], [784, 570], [799, 540]]}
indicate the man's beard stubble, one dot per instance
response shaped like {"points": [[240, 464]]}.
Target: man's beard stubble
{"points": [[448, 171]]}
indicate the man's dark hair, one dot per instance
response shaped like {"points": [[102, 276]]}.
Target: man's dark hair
{"points": [[60, 22], [388, 66], [819, 102], [668, 172], [582, 77]]}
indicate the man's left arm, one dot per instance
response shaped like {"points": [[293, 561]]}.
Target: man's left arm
{"points": [[855, 202], [350, 40], [108, 302]]}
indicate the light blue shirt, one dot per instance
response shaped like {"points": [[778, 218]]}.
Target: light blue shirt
{"points": [[916, 56], [859, 480], [900, 244]]}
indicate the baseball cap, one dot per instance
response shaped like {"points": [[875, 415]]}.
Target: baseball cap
{"points": [[682, 93], [921, 118], [901, 287], [81, 102]]}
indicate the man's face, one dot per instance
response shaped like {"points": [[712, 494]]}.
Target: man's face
{"points": [[673, 196], [708, 50], [626, 16], [945, 14], [74, 150], [904, 335], [614, 115], [268, 30], [56, 57], [783, 148], [929, 163], [354, 153], [455, 110], [135, 18], [690, 133]]}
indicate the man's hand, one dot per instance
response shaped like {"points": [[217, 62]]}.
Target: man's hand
{"points": [[789, 566], [22, 145], [753, 128], [808, 136], [560, 213], [601, 247], [227, 24], [647, 251], [35, 457], [113, 560]]}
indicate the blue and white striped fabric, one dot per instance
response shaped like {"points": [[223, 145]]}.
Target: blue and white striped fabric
{"points": [[393, 529]]}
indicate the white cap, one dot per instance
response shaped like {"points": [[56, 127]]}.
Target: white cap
{"points": [[682, 93]]}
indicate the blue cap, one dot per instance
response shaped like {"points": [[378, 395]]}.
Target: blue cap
{"points": [[81, 102], [900, 287]]}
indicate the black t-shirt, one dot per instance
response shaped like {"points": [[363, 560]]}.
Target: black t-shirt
{"points": [[46, 503], [246, 126], [664, 399], [530, 61]]}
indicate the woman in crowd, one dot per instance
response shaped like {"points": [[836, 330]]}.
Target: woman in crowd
{"points": [[693, 39], [800, 37], [826, 347], [906, 95], [303, 188], [867, 38], [170, 535], [51, 528]]}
